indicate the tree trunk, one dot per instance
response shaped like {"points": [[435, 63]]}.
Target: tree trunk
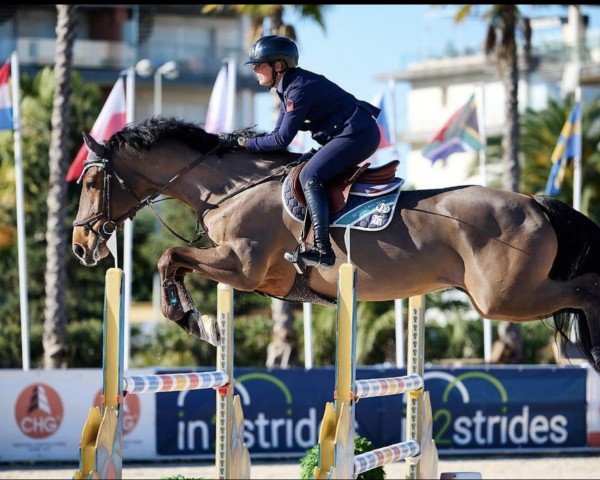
{"points": [[54, 340], [282, 349], [510, 138], [510, 347]]}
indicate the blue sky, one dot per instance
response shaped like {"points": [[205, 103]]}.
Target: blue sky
{"points": [[363, 40]]}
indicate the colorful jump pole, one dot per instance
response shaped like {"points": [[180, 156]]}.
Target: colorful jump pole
{"points": [[102, 437]]}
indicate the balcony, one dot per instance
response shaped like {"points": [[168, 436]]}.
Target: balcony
{"points": [[86, 53], [196, 61], [193, 58]]}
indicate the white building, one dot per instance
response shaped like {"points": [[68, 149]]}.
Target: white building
{"points": [[438, 87], [111, 38]]}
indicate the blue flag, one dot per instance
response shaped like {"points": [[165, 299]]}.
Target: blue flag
{"points": [[567, 148], [382, 121]]}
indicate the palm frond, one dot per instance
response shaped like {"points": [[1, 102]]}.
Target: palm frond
{"points": [[462, 13]]}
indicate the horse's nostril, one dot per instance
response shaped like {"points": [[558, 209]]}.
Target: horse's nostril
{"points": [[79, 251]]}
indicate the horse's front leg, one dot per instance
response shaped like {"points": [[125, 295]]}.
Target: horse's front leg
{"points": [[221, 264]]}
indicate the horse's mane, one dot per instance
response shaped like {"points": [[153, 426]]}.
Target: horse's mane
{"points": [[149, 132]]}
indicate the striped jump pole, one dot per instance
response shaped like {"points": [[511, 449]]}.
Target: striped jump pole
{"points": [[336, 437], [102, 437]]}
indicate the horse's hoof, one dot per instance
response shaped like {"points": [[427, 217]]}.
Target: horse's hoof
{"points": [[211, 328], [204, 327]]}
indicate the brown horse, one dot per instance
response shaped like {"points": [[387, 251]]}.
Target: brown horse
{"points": [[518, 257]]}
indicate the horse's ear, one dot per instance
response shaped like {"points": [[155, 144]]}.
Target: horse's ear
{"points": [[94, 147]]}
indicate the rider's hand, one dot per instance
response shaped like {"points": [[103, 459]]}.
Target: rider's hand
{"points": [[232, 140]]}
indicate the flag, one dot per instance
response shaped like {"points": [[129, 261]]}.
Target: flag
{"points": [[459, 134], [6, 113], [297, 144], [382, 121], [112, 118], [219, 117], [567, 148]]}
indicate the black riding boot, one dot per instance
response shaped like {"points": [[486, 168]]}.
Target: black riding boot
{"points": [[322, 255]]}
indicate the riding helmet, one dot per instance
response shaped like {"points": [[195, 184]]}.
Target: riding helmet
{"points": [[272, 48]]}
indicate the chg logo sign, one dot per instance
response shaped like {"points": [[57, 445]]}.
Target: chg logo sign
{"points": [[38, 411]]}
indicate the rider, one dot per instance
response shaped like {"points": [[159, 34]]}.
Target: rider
{"points": [[345, 127]]}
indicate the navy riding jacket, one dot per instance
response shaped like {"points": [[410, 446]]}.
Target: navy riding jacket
{"points": [[312, 102]]}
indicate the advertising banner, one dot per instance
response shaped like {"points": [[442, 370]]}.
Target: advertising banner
{"points": [[42, 414], [508, 408], [474, 409], [593, 409]]}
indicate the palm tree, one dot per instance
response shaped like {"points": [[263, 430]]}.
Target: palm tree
{"points": [[501, 46], [282, 349], [54, 340], [541, 130], [259, 15]]}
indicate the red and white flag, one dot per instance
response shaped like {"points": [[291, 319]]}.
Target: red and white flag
{"points": [[112, 118], [6, 111]]}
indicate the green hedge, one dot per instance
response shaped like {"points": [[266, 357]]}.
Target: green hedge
{"points": [[165, 344]]}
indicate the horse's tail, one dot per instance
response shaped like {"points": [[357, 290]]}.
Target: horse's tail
{"points": [[578, 253]]}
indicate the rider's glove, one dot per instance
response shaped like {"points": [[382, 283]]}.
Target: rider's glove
{"points": [[232, 140]]}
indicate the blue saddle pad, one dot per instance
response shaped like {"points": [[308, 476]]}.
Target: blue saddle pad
{"points": [[369, 209]]}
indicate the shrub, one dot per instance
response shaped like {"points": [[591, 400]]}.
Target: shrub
{"points": [[361, 445]]}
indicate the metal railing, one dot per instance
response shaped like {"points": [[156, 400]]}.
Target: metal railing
{"points": [[191, 57]]}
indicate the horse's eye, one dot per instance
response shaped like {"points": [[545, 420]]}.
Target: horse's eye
{"points": [[90, 184]]}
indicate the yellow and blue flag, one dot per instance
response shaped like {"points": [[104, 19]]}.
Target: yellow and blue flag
{"points": [[567, 148]]}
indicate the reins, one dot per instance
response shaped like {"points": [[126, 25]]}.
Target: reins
{"points": [[108, 227]]}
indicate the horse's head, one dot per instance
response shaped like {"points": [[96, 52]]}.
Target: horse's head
{"points": [[103, 206]]}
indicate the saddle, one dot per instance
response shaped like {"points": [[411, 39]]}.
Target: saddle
{"points": [[338, 188]]}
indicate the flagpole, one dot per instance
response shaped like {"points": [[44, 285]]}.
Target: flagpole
{"points": [[231, 90], [398, 302], [483, 132], [128, 231], [21, 239], [577, 161], [487, 323]]}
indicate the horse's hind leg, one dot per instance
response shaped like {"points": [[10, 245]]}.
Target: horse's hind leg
{"points": [[548, 297]]}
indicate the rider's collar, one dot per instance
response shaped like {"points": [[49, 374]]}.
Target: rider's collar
{"points": [[279, 86]]}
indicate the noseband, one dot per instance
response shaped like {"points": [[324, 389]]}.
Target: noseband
{"points": [[110, 225]]}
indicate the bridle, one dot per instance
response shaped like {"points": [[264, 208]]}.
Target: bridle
{"points": [[111, 223]]}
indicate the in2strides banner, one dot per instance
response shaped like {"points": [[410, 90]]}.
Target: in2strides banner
{"points": [[499, 408]]}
